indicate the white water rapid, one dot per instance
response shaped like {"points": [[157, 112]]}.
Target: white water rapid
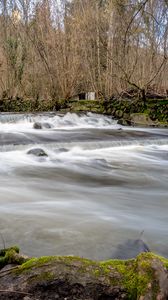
{"points": [[100, 184]]}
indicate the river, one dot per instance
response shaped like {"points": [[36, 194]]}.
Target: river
{"points": [[100, 185]]}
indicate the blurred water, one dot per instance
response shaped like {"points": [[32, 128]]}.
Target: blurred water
{"points": [[98, 186]]}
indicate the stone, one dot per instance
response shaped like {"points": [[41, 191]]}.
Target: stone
{"points": [[120, 114], [38, 125], [37, 152], [141, 119], [123, 122], [46, 125]]}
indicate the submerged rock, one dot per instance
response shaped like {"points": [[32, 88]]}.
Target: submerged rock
{"points": [[38, 125], [130, 249], [37, 152], [59, 150]]}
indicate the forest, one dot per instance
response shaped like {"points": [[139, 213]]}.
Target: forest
{"points": [[56, 49]]}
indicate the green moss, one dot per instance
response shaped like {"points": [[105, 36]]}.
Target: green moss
{"points": [[138, 275], [146, 275], [87, 102], [38, 262], [151, 256], [8, 256], [35, 263], [127, 268], [3, 252]]}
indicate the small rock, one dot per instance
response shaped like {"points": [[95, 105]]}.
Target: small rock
{"points": [[123, 122], [130, 249], [38, 125], [63, 150], [37, 152]]}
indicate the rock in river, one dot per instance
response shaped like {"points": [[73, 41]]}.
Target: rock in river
{"points": [[37, 152], [38, 125]]}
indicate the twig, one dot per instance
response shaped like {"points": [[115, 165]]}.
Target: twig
{"points": [[132, 19], [15, 292], [3, 272]]}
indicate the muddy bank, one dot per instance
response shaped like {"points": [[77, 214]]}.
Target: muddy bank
{"points": [[145, 277]]}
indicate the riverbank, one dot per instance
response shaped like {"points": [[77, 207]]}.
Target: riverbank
{"points": [[71, 278], [128, 112], [154, 112]]}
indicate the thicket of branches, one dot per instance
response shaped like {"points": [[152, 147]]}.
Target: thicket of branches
{"points": [[58, 48]]}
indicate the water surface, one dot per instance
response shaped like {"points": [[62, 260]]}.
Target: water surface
{"points": [[100, 184]]}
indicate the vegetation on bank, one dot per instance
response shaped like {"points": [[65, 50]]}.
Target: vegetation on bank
{"points": [[145, 277], [152, 112]]}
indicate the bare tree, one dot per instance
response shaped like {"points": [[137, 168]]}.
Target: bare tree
{"points": [[56, 49]]}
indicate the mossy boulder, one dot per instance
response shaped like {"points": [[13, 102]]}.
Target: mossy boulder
{"points": [[58, 277], [136, 112], [141, 119], [11, 256]]}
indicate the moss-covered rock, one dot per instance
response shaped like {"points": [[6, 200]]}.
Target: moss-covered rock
{"points": [[11, 256], [58, 277], [135, 112], [141, 119]]}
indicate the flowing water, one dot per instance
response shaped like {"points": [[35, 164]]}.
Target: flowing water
{"points": [[100, 184]]}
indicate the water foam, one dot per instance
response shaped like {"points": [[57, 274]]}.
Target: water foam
{"points": [[20, 122]]}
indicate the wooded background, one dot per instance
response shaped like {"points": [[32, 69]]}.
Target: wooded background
{"points": [[57, 49]]}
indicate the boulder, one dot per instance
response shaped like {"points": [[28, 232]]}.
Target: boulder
{"points": [[123, 122], [37, 152], [46, 125], [38, 125], [141, 119]]}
